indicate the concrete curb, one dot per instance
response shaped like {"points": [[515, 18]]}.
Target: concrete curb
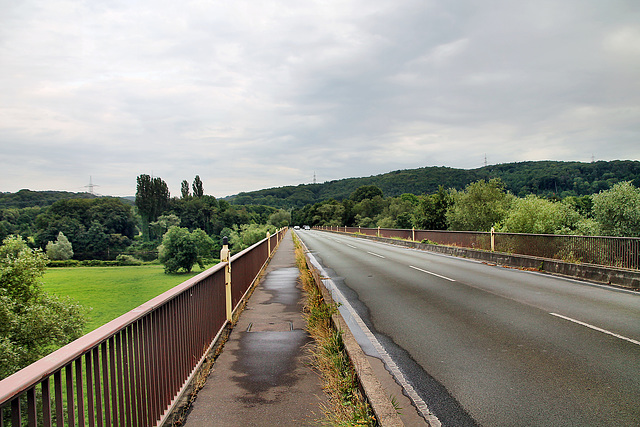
{"points": [[380, 402], [607, 275]]}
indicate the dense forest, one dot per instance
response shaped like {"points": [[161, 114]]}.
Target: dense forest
{"points": [[27, 198], [428, 198], [542, 178], [104, 228], [483, 205]]}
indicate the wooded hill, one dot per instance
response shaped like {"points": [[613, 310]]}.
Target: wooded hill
{"points": [[543, 178], [29, 199]]}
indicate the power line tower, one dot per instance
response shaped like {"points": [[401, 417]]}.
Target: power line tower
{"points": [[315, 181], [485, 160], [91, 186]]}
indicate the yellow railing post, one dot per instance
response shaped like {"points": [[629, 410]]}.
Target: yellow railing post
{"points": [[413, 234], [225, 257], [269, 244], [493, 239]]}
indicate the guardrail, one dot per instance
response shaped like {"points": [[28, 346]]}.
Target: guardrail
{"points": [[132, 370], [618, 252]]}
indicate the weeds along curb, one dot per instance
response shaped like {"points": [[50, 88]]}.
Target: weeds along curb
{"points": [[383, 409]]}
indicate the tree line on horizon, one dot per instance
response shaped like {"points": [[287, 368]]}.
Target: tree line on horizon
{"points": [[541, 178], [101, 228], [483, 205]]}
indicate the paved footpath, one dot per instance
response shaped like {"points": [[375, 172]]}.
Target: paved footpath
{"points": [[263, 376]]}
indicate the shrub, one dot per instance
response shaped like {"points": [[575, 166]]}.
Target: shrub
{"points": [[123, 259]]}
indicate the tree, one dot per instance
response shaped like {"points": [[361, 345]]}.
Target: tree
{"points": [[366, 192], [431, 213], [61, 249], [152, 199], [617, 210], [481, 205], [204, 245], [97, 241], [536, 215], [280, 218], [32, 322], [158, 228], [178, 250], [198, 191], [184, 189]]}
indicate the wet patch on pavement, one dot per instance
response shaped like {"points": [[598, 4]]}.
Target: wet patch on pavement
{"points": [[266, 360]]}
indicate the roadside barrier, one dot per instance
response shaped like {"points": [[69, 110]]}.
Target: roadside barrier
{"points": [[616, 252]]}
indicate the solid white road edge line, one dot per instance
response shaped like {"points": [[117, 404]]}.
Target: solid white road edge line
{"points": [[391, 365]]}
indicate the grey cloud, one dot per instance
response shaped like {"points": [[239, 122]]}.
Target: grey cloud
{"points": [[251, 95]]}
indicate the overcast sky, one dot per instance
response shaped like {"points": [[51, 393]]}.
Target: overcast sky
{"points": [[259, 94]]}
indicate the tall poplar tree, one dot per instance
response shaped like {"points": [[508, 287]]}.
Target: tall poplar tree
{"points": [[198, 191], [184, 189], [152, 199]]}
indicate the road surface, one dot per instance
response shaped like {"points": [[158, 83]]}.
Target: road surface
{"points": [[493, 346]]}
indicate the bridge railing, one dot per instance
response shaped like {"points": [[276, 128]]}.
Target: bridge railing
{"points": [[618, 252], [132, 370]]}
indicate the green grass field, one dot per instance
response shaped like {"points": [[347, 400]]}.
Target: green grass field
{"points": [[111, 291]]}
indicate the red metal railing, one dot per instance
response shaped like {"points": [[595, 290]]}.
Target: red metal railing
{"points": [[618, 252], [133, 369]]}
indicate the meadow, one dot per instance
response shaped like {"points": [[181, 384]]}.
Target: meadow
{"points": [[111, 291]]}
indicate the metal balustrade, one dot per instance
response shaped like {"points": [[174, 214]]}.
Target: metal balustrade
{"points": [[617, 252], [131, 371]]}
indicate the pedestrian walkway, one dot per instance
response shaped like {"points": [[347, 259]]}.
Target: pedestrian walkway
{"points": [[263, 376]]}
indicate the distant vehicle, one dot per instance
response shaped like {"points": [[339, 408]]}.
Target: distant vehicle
{"points": [[306, 227], [297, 227]]}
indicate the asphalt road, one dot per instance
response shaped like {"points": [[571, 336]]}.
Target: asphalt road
{"points": [[493, 346]]}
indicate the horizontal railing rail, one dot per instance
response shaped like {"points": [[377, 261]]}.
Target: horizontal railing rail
{"points": [[617, 252], [131, 370]]}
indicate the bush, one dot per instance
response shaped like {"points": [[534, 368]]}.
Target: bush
{"points": [[65, 263], [32, 322], [61, 249], [127, 260], [178, 250]]}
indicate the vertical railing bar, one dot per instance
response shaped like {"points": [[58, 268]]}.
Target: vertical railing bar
{"points": [[68, 370], [149, 368], [106, 396], [119, 375], [140, 384], [97, 385], [131, 405], [184, 364], [16, 413], [57, 385], [178, 360], [125, 375], [32, 415], [155, 352], [164, 351], [155, 365], [79, 391], [46, 402], [113, 381], [89, 380]]}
